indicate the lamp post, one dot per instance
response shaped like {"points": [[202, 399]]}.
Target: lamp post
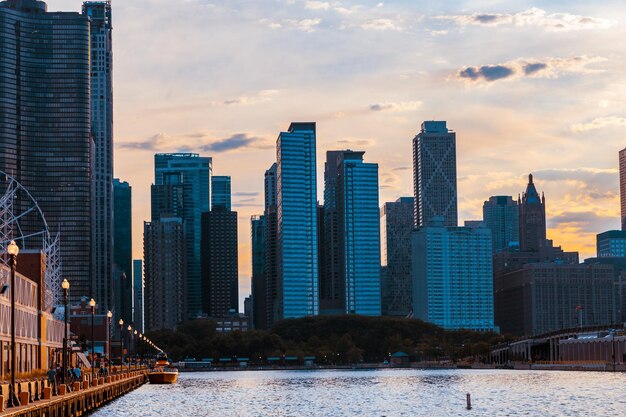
{"points": [[109, 317], [135, 349], [13, 250], [92, 304], [66, 288], [121, 323], [130, 349], [140, 340]]}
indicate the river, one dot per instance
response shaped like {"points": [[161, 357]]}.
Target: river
{"points": [[377, 393]]}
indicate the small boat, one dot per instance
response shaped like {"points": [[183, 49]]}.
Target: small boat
{"points": [[163, 372]]}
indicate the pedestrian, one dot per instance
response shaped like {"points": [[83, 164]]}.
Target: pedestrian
{"points": [[52, 378], [77, 373]]}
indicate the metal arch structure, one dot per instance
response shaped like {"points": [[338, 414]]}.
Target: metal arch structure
{"points": [[16, 205]]}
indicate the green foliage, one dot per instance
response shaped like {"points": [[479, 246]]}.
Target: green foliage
{"points": [[331, 339]]}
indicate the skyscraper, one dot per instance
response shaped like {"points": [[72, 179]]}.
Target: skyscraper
{"points": [[501, 216], [138, 295], [532, 219], [611, 244], [259, 258], [99, 13], [297, 222], [220, 288], [622, 185], [192, 173], [220, 192], [271, 247], [45, 129], [452, 272], [396, 225], [123, 268], [434, 174], [351, 283]]}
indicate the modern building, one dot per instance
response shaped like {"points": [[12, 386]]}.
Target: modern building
{"points": [[352, 236], [190, 173], [220, 274], [544, 297], [271, 247], [532, 219], [396, 226], [611, 244], [452, 276], [434, 174], [138, 295], [296, 180], [220, 192], [46, 130], [259, 258], [618, 263], [122, 287], [622, 185], [501, 216], [103, 253], [165, 273]]}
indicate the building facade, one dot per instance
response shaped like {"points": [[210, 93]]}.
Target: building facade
{"points": [[622, 185], [45, 128], [220, 273], [259, 258], [532, 219], [396, 226], [453, 277], [138, 295], [296, 180], [611, 244], [101, 29], [122, 286], [220, 192], [501, 216], [271, 246], [434, 174], [188, 174]]}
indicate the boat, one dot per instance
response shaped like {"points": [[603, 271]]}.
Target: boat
{"points": [[163, 372]]}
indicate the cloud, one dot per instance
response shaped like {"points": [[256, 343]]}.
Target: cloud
{"points": [[599, 123], [356, 142], [530, 68], [196, 142], [246, 194], [236, 141], [304, 25], [245, 100], [586, 221], [531, 17], [317, 5], [401, 106], [380, 25]]}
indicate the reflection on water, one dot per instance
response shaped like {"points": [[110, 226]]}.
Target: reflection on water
{"points": [[387, 393]]}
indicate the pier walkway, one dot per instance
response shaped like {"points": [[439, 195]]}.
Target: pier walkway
{"points": [[84, 398]]}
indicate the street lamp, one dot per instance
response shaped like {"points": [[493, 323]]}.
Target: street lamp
{"points": [[109, 317], [13, 250], [66, 288], [92, 304], [135, 349], [121, 323], [130, 349]]}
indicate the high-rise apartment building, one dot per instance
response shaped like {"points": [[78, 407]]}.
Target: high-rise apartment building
{"points": [[453, 276], [190, 173], [532, 219], [220, 274], [622, 185], [122, 287], [138, 295], [352, 235], [396, 225], [271, 247], [296, 182], [611, 244], [220, 192], [501, 216], [164, 256], [434, 174], [259, 258], [46, 130], [101, 29]]}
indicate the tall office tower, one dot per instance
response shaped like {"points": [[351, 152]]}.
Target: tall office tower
{"points": [[396, 225], [138, 295], [220, 273], [220, 192], [259, 258], [622, 185], [434, 174], [193, 173], [271, 247], [297, 222], [611, 244], [452, 272], [45, 128], [123, 251], [501, 216], [351, 284], [103, 254], [164, 257], [532, 219]]}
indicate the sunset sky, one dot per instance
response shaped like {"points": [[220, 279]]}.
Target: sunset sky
{"points": [[528, 87]]}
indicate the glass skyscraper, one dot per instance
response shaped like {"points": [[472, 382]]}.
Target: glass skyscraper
{"points": [[220, 192], [123, 254], [193, 173], [138, 295], [297, 222], [501, 216], [45, 127]]}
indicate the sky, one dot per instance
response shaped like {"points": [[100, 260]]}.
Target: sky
{"points": [[528, 87]]}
